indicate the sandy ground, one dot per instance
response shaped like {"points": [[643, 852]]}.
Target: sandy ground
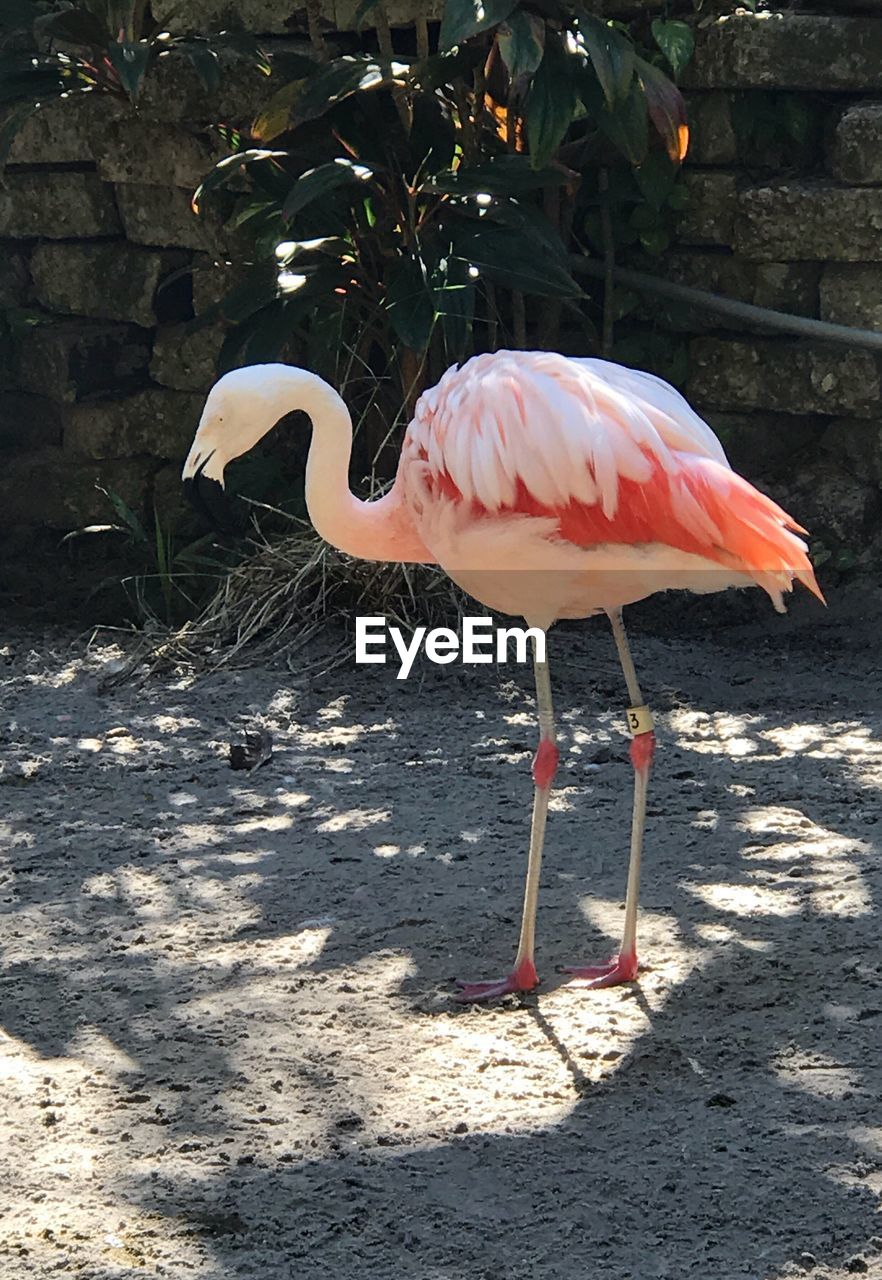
{"points": [[228, 1041]]}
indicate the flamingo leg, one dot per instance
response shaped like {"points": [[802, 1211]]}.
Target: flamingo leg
{"points": [[523, 976], [624, 967]]}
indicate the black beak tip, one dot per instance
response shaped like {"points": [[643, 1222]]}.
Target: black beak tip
{"points": [[209, 498]]}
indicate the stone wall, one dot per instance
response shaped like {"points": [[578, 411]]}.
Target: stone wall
{"points": [[103, 263], [793, 223]]}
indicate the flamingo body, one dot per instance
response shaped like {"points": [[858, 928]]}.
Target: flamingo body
{"points": [[547, 487], [551, 488]]}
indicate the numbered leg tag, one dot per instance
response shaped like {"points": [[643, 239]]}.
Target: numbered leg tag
{"points": [[639, 720]]}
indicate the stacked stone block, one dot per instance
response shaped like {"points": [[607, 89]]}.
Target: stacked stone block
{"points": [[795, 226], [101, 378]]}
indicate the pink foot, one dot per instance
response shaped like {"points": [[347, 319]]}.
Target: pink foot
{"points": [[621, 968], [523, 978]]}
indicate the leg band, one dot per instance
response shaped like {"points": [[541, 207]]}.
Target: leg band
{"points": [[545, 763], [642, 750]]}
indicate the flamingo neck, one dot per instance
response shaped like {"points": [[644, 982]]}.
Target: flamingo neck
{"points": [[380, 530]]}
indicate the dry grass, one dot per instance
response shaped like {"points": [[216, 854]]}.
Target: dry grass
{"points": [[283, 593], [292, 587]]}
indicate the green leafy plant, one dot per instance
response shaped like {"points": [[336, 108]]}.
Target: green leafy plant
{"points": [[174, 579], [403, 207], [50, 48]]}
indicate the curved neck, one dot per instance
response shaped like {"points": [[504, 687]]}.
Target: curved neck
{"points": [[381, 530]]}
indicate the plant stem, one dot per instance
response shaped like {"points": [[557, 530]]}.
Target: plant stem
{"points": [[519, 320], [492, 316], [384, 40], [466, 124], [609, 263], [411, 365], [422, 37], [313, 21], [549, 316]]}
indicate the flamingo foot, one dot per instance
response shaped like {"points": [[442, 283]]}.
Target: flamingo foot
{"points": [[522, 978], [621, 968]]}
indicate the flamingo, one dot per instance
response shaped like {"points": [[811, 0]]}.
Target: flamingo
{"points": [[546, 487]]}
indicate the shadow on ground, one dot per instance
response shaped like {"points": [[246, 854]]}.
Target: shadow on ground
{"points": [[228, 1041]]}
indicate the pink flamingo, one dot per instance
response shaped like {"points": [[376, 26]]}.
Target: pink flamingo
{"points": [[546, 487]]}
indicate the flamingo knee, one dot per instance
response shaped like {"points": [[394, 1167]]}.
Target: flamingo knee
{"points": [[545, 764]]}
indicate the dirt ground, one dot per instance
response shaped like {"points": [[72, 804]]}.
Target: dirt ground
{"points": [[228, 1041]]}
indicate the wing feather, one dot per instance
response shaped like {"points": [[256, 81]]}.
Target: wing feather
{"points": [[611, 454]]}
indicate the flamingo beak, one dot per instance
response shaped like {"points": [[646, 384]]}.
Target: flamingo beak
{"points": [[209, 498]]}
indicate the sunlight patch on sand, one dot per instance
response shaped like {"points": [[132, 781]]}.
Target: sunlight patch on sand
{"points": [[746, 899], [354, 820]]}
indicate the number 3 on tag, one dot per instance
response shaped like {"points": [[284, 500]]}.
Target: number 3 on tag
{"points": [[639, 720]]}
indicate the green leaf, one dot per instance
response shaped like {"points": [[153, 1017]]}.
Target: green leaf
{"points": [[73, 26], [265, 332], [667, 110], [676, 41], [521, 43], [276, 115], [530, 223], [21, 80], [130, 60], [432, 135], [626, 127], [655, 240], [446, 68], [262, 217], [409, 303], [514, 259], [318, 182], [612, 57], [126, 514], [251, 295], [258, 339], [656, 177], [205, 63], [642, 217], [454, 291], [465, 18], [625, 301], [341, 78], [229, 168], [551, 103], [248, 48], [503, 175]]}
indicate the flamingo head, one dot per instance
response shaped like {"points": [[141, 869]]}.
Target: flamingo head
{"points": [[239, 411]]}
